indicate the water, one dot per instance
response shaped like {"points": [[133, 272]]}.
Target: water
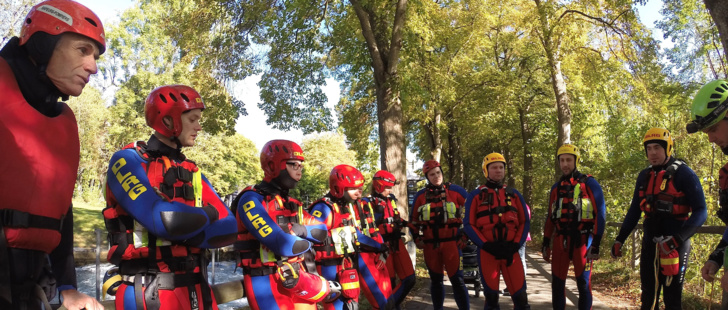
{"points": [[224, 272]]}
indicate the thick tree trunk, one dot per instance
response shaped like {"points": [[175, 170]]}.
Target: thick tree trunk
{"points": [[526, 134], [392, 147], [456, 158], [719, 11], [436, 135], [557, 81]]}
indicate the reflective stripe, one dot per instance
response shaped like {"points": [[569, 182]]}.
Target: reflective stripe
{"points": [[324, 286], [197, 185], [586, 210], [449, 207], [349, 286], [267, 256], [669, 261]]}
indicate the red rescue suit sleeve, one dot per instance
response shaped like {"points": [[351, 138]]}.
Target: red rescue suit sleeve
{"points": [[470, 218], [223, 231], [252, 213], [128, 182], [548, 227]]}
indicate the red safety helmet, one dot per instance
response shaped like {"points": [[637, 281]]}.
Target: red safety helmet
{"points": [[55, 17], [343, 177], [172, 101], [274, 155], [382, 179], [429, 165]]}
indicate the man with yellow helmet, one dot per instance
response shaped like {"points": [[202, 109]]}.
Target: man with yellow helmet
{"points": [[575, 223], [497, 220], [708, 113], [670, 195]]}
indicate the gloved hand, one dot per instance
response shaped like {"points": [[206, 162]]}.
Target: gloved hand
{"points": [[709, 270], [297, 229], [546, 252], [492, 248], [383, 249], [666, 244], [616, 249], [592, 253], [546, 249], [419, 243], [512, 248]]}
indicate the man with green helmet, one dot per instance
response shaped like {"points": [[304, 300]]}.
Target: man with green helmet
{"points": [[708, 113]]}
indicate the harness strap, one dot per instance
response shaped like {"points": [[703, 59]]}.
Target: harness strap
{"points": [[19, 219], [496, 211], [441, 240], [331, 261]]}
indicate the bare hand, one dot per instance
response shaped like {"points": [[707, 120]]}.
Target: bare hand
{"points": [[75, 300], [708, 271]]}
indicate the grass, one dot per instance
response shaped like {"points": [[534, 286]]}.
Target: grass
{"points": [[86, 218]]}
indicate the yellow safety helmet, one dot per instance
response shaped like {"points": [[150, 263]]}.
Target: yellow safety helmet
{"points": [[569, 149], [660, 136], [492, 158]]}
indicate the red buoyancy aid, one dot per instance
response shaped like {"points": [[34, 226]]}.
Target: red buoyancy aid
{"points": [[253, 254], [440, 217], [128, 241], [659, 197], [572, 206], [40, 157], [497, 214], [390, 224], [343, 221], [365, 214]]}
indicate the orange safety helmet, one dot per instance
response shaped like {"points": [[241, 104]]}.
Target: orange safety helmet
{"points": [[342, 177], [274, 155], [172, 101], [383, 179], [55, 17]]}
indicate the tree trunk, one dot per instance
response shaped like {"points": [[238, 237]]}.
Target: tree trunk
{"points": [[557, 82], [456, 158], [511, 181], [392, 147], [433, 131], [719, 11], [527, 158]]}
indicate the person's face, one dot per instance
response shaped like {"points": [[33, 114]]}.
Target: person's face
{"points": [[496, 171], [655, 154], [72, 63], [567, 163], [295, 168], [718, 134], [435, 176], [353, 193], [387, 190], [190, 127]]}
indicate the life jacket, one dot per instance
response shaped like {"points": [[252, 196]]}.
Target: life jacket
{"points": [[39, 162], [658, 196], [388, 220], [132, 247], [365, 214], [497, 214], [572, 207], [253, 253], [439, 218], [341, 240]]}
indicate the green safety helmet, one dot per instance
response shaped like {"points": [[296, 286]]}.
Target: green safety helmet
{"points": [[709, 106]]}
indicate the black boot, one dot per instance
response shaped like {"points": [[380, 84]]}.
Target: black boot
{"points": [[491, 300], [520, 301]]}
